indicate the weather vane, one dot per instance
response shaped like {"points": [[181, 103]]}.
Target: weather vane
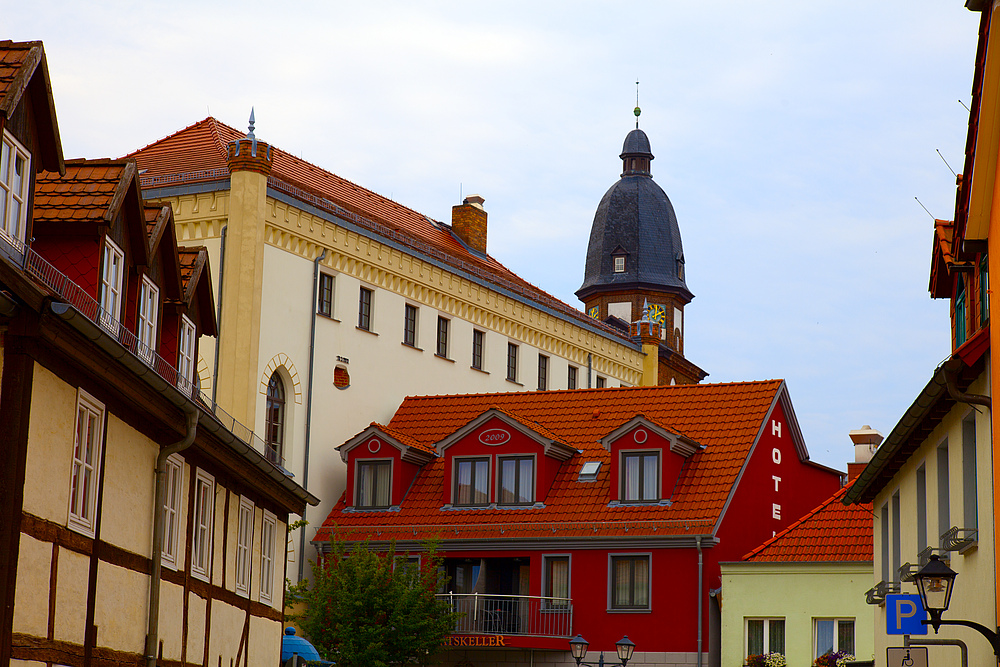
{"points": [[637, 109]]}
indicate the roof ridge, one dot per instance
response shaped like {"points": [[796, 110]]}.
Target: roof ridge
{"points": [[171, 135]]}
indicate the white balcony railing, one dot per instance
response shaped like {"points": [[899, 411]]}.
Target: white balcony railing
{"points": [[486, 613]]}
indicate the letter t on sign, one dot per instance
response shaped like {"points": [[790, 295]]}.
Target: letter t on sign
{"points": [[776, 480]]}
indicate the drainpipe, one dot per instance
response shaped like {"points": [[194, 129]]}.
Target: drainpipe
{"points": [[153, 624], [950, 370], [701, 570], [309, 405], [218, 315]]}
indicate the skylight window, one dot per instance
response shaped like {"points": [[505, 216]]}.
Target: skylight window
{"points": [[589, 470]]}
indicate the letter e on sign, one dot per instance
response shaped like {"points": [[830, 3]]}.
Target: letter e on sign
{"points": [[776, 511]]}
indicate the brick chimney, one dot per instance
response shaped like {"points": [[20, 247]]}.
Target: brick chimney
{"points": [[468, 223], [865, 440]]}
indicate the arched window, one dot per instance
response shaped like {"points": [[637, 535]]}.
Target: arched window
{"points": [[274, 431]]}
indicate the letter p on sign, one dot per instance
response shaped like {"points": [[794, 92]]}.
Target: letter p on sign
{"points": [[903, 615]]}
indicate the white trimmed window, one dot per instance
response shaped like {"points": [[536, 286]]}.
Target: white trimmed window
{"points": [[268, 531], [244, 538], [185, 354], [374, 482], [86, 463], [833, 635], [640, 476], [15, 181], [765, 635], [111, 285], [204, 513], [149, 311], [173, 482]]}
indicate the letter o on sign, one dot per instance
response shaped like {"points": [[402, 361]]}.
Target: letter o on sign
{"points": [[374, 445], [640, 436], [776, 455]]}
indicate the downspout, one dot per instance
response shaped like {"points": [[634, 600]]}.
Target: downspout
{"points": [[309, 404], [153, 623], [218, 314], [958, 396], [701, 570]]}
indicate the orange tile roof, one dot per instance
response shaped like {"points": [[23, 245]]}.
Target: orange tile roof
{"points": [[724, 417], [405, 439], [942, 257], [197, 153], [831, 532], [84, 194], [12, 58], [22, 69]]}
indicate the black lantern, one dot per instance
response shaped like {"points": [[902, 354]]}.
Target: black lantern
{"points": [[625, 648], [934, 583], [578, 648]]}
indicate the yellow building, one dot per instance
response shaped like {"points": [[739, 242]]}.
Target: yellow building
{"points": [[136, 527], [336, 303]]}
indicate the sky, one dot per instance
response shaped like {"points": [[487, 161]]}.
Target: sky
{"points": [[791, 137]]}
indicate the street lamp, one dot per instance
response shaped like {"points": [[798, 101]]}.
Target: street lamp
{"points": [[578, 648], [934, 583]]}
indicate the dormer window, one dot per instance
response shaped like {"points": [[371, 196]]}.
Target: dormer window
{"points": [[619, 263], [640, 476], [149, 310], [15, 179], [517, 476], [960, 327], [472, 482], [111, 285], [185, 353], [373, 484]]}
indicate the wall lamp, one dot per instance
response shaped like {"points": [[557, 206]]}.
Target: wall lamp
{"points": [[934, 583], [578, 648]]}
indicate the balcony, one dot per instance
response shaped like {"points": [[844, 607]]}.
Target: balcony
{"points": [[526, 615]]}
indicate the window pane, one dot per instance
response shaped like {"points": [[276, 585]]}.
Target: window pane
{"points": [[382, 484], [508, 467], [558, 580], [824, 637], [622, 571], [482, 482], [525, 481], [649, 477], [640, 585], [631, 477], [845, 636], [755, 637], [776, 635]]}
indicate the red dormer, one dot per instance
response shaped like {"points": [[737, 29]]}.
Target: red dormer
{"points": [[499, 459], [381, 466], [647, 459], [959, 273]]}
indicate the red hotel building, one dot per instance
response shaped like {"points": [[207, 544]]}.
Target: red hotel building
{"points": [[599, 512]]}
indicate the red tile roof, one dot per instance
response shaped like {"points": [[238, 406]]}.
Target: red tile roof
{"points": [[13, 56], [725, 417], [85, 194], [832, 532], [942, 256], [197, 153], [23, 68]]}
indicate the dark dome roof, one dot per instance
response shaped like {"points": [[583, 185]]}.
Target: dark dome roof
{"points": [[636, 142], [636, 219]]}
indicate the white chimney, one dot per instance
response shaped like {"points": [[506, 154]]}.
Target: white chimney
{"points": [[866, 440]]}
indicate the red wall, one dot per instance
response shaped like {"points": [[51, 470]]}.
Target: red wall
{"points": [[402, 472], [76, 257]]}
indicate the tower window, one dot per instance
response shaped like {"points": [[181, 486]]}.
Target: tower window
{"points": [[274, 429], [620, 264]]}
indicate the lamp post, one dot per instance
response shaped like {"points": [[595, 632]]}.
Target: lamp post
{"points": [[578, 648], [934, 583]]}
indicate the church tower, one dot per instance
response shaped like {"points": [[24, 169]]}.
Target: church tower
{"points": [[635, 258]]}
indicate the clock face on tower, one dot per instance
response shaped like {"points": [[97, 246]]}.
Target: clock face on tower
{"points": [[595, 312], [658, 314]]}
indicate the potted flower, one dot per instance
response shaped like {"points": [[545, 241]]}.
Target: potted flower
{"points": [[766, 660], [835, 659]]}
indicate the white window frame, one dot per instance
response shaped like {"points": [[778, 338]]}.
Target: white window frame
{"points": [[767, 633], [268, 538], [14, 229], [172, 516], [185, 353], [244, 544], [149, 315], [86, 464], [836, 633], [619, 264], [204, 523], [112, 277]]}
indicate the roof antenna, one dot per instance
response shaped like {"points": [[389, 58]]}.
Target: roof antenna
{"points": [[637, 109], [966, 108], [946, 163], [925, 208]]}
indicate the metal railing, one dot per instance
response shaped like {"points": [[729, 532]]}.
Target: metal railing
{"points": [[534, 615], [41, 270]]}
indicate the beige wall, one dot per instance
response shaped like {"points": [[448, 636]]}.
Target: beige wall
{"points": [[973, 596]]}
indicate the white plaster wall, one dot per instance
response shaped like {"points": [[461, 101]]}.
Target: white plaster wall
{"points": [[265, 641], [120, 608], [129, 461], [71, 596], [227, 629], [196, 627], [49, 460], [973, 595], [31, 598], [171, 619]]}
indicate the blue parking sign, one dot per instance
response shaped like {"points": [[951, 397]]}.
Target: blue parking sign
{"points": [[903, 615]]}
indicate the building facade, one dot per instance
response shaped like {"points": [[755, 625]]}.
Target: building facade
{"points": [[326, 290], [601, 512], [136, 527]]}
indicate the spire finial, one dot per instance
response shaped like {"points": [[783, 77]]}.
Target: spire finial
{"points": [[250, 133], [637, 109]]}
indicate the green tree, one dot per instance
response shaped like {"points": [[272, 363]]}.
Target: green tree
{"points": [[375, 609]]}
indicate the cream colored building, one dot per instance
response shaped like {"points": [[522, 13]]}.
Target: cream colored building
{"points": [[341, 303], [135, 526]]}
